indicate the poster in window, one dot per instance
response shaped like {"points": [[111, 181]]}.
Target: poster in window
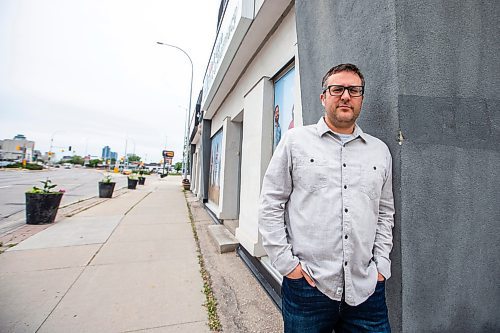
{"points": [[215, 165], [283, 118]]}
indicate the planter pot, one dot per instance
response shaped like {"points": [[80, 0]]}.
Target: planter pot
{"points": [[142, 180], [132, 184], [42, 208], [106, 189]]}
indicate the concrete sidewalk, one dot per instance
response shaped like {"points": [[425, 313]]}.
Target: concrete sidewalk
{"points": [[129, 264]]}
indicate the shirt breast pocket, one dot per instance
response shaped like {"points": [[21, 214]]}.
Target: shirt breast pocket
{"points": [[310, 174], [372, 180]]}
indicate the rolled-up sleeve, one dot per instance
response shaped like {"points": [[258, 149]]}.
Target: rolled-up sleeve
{"points": [[276, 189], [385, 223]]}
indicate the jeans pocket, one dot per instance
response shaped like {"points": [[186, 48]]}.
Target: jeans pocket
{"points": [[299, 291], [294, 281]]}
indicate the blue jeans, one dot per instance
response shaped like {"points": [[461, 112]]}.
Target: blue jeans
{"points": [[306, 309]]}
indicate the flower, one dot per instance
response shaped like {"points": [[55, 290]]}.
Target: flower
{"points": [[107, 179]]}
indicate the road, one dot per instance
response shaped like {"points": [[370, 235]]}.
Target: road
{"points": [[78, 183]]}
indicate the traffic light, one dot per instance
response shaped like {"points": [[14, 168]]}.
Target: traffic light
{"points": [[69, 149]]}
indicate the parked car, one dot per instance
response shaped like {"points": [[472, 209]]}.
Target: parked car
{"points": [[126, 171]]}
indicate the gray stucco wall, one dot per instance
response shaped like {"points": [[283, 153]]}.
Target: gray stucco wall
{"points": [[449, 85], [432, 70]]}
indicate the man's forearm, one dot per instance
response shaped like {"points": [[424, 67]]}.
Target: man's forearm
{"points": [[385, 223]]}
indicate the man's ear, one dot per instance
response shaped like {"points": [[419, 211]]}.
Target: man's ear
{"points": [[322, 98]]}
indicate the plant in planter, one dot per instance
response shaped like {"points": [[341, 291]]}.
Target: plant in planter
{"points": [[106, 187], [141, 177], [186, 184], [42, 203], [132, 181]]}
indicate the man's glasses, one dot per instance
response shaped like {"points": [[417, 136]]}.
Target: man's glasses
{"points": [[354, 91]]}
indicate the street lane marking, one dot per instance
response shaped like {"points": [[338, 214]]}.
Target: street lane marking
{"points": [[5, 186]]}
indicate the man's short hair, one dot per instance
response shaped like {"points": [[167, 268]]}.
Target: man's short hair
{"points": [[343, 68]]}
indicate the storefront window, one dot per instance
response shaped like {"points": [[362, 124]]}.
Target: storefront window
{"points": [[283, 105], [215, 166]]}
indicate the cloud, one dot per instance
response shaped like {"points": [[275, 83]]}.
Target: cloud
{"points": [[91, 71]]}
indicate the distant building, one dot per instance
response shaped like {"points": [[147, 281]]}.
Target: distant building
{"points": [[17, 149], [36, 155], [107, 154]]}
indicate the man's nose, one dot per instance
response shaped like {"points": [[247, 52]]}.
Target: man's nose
{"points": [[345, 95]]}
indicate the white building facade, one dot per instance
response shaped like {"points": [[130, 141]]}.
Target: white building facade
{"points": [[17, 149], [252, 69]]}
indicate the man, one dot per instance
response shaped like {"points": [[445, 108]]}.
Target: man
{"points": [[327, 214], [277, 127]]}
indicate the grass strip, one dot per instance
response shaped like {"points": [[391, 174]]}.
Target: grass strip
{"points": [[211, 302]]}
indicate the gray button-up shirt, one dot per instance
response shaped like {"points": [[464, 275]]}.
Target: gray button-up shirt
{"points": [[330, 206]]}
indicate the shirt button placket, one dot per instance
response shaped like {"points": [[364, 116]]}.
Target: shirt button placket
{"points": [[345, 223], [344, 192]]}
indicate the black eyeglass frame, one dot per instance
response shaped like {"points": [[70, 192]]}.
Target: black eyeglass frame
{"points": [[344, 89]]}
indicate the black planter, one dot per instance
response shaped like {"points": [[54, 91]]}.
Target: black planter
{"points": [[142, 180], [106, 189], [132, 184], [42, 208]]}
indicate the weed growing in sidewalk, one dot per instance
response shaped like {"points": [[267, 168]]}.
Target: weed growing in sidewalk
{"points": [[6, 246], [211, 302]]}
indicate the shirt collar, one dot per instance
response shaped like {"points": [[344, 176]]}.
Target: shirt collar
{"points": [[323, 128]]}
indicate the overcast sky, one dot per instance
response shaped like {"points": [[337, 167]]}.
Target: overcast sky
{"points": [[89, 72]]}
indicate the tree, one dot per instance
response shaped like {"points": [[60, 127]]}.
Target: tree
{"points": [[178, 166], [134, 158], [76, 160], [94, 163]]}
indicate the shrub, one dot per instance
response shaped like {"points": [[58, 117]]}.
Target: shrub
{"points": [[29, 166]]}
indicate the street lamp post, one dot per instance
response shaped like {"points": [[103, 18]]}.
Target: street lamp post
{"points": [[187, 125], [185, 143], [125, 162], [51, 146]]}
